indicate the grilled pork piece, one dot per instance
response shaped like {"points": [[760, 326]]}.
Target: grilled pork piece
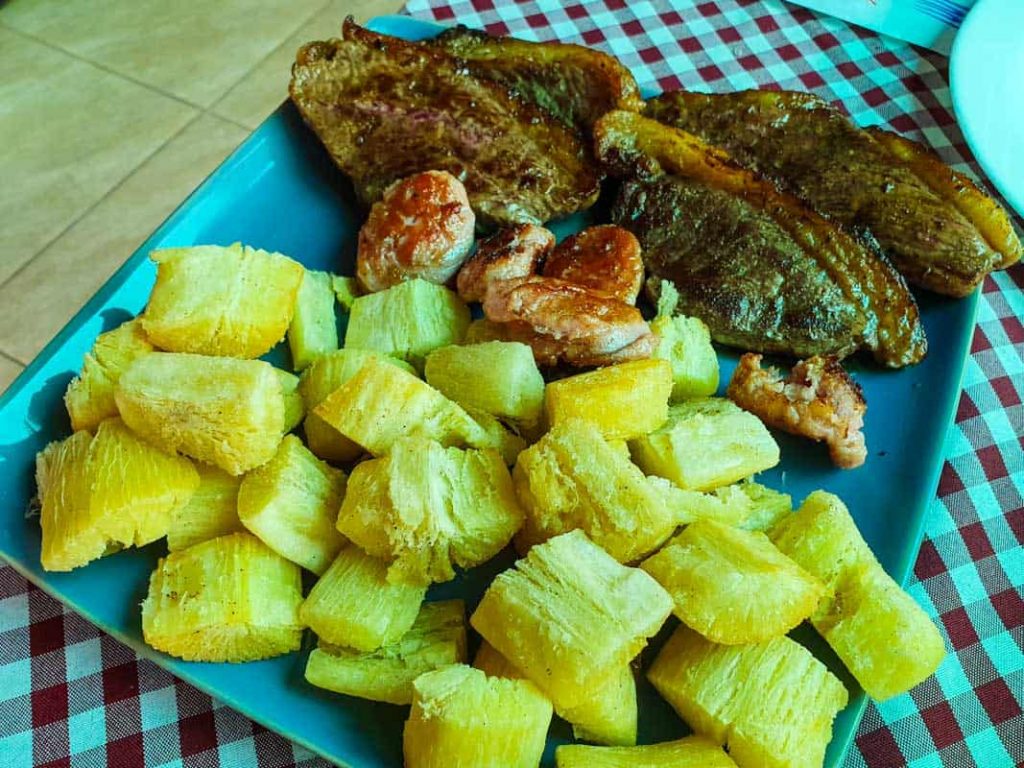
{"points": [[818, 400], [575, 84], [386, 108], [764, 272], [940, 230]]}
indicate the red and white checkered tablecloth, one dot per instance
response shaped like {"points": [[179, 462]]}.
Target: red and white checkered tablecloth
{"points": [[71, 696]]}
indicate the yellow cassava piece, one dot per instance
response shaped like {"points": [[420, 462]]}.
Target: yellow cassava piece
{"points": [[496, 377], [226, 412], [623, 401], [313, 331], [426, 509], [234, 301], [689, 752], [436, 639], [326, 374], [572, 478], [461, 718], [382, 403], [570, 617], [211, 511], [292, 503], [883, 637], [353, 604], [733, 586], [90, 395], [607, 716], [706, 443], [106, 492], [226, 599], [771, 704], [408, 320]]}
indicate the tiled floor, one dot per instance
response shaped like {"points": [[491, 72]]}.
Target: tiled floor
{"points": [[110, 114]]}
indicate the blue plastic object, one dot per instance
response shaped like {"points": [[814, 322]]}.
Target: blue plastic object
{"points": [[280, 191]]}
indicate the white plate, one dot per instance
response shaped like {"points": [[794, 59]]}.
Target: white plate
{"points": [[987, 81]]}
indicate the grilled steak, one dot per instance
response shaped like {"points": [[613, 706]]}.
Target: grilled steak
{"points": [[937, 227], [765, 273], [386, 108], [575, 84]]}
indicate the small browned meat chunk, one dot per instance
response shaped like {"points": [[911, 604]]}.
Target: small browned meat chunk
{"points": [[508, 253], [422, 227], [819, 400], [604, 258], [565, 322]]}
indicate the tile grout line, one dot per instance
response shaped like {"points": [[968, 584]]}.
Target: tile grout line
{"points": [[11, 358], [101, 67], [120, 183], [212, 108]]}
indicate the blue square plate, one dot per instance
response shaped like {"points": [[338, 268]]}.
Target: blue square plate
{"points": [[280, 191]]}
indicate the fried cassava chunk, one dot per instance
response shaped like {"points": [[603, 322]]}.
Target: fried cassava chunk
{"points": [[733, 586], [885, 639], [326, 374], [292, 503], [294, 407], [386, 108], [407, 321], [226, 412], [461, 718], [437, 638], [771, 704], [90, 395], [571, 478], [689, 752], [496, 377], [762, 270], [574, 83], [940, 230], [210, 300], [210, 512], [227, 599], [706, 443], [354, 605], [623, 401], [102, 493], [383, 403], [607, 716], [313, 331], [570, 617], [686, 343], [427, 508]]}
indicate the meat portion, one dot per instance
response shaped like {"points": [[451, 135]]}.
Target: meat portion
{"points": [[818, 400], [764, 272], [508, 253], [605, 258], [575, 84], [422, 227], [938, 228], [565, 322], [386, 108]]}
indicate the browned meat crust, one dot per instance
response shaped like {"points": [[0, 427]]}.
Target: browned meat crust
{"points": [[387, 108], [940, 230], [574, 83], [818, 400], [762, 270]]}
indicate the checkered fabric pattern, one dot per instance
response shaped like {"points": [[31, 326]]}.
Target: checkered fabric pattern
{"points": [[71, 696]]}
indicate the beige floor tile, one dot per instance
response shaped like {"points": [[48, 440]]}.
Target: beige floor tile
{"points": [[263, 89], [40, 300], [8, 372], [195, 50], [68, 133]]}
